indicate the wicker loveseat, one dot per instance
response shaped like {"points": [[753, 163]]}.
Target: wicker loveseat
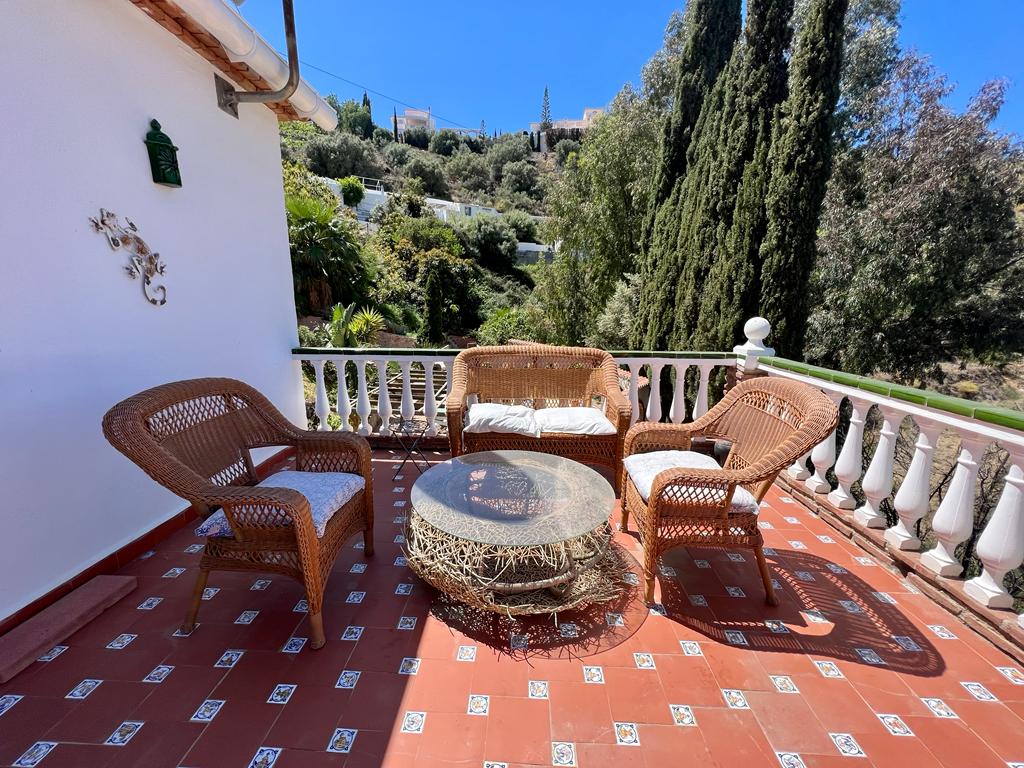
{"points": [[680, 498], [539, 376], [195, 437]]}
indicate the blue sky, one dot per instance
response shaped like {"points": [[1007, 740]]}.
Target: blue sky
{"points": [[491, 61]]}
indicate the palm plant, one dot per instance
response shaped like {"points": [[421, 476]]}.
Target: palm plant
{"points": [[327, 262]]}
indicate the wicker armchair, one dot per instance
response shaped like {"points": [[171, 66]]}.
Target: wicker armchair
{"points": [[544, 376], [769, 423], [194, 438]]}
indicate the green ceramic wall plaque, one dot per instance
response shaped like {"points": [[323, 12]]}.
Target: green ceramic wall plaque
{"points": [[163, 156]]}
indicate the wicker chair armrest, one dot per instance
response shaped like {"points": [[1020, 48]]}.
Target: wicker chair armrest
{"points": [[333, 452], [617, 409], [251, 510], [646, 436], [455, 407]]}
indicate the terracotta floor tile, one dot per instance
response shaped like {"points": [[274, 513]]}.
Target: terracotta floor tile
{"points": [[518, 730], [580, 712], [788, 722]]}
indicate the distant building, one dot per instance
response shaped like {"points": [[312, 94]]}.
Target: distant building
{"points": [[590, 114], [415, 118]]}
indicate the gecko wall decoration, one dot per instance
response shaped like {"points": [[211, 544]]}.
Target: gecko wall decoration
{"points": [[142, 261]]}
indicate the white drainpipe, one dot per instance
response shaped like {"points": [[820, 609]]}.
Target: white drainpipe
{"points": [[243, 45]]}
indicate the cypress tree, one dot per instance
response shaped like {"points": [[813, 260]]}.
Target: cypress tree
{"points": [[801, 162], [713, 26], [394, 121], [730, 294], [691, 230], [367, 106]]}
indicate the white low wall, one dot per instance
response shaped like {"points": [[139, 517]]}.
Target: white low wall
{"points": [[76, 334]]}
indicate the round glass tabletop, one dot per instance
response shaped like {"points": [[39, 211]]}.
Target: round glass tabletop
{"points": [[513, 498]]}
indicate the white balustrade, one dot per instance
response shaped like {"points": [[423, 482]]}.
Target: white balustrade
{"points": [[362, 398], [383, 398], [878, 480], [823, 456], [321, 405], [798, 469], [429, 398], [850, 463], [677, 412], [654, 398], [344, 405], [408, 408], [913, 499], [701, 406], [953, 521], [1001, 545]]}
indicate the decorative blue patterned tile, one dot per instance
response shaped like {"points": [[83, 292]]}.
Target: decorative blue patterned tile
{"points": [[352, 633], [53, 653], [123, 733], [894, 724], [478, 704], [784, 684], [83, 689], [682, 715], [466, 653], [593, 674], [563, 753], [847, 745], [121, 641], [294, 645], [627, 735], [410, 666], [34, 755], [939, 708], [348, 679], [265, 757], [414, 722], [537, 689], [207, 710], [159, 674], [229, 658], [342, 740], [735, 699]]}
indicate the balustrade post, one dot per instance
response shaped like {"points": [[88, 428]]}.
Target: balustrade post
{"points": [[850, 463], [429, 399], [878, 480], [322, 406], [383, 398], [1001, 545], [954, 519], [362, 398], [634, 391], [407, 406], [914, 496], [654, 401], [677, 413], [701, 406], [823, 456], [798, 469], [344, 405]]}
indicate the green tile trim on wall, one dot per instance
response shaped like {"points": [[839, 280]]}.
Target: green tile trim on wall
{"points": [[958, 406]]}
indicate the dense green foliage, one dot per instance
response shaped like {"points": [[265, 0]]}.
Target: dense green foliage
{"points": [[800, 164], [327, 263], [417, 136], [921, 259], [336, 155], [445, 142], [299, 182]]}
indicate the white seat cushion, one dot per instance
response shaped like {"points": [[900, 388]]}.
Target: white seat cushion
{"points": [[326, 492], [574, 421], [497, 417], [642, 468]]}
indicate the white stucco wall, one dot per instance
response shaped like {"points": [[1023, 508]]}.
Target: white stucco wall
{"points": [[83, 80]]}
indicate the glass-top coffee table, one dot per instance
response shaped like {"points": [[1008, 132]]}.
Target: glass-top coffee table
{"points": [[513, 531]]}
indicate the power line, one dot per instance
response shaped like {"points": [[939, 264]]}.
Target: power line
{"points": [[378, 93]]}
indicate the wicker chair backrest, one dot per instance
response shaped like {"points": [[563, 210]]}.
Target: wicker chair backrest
{"points": [[771, 423], [545, 375], [202, 427]]}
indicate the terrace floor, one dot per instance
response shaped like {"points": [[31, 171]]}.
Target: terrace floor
{"points": [[855, 663]]}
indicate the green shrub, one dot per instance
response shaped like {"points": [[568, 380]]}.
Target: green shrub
{"points": [[396, 155], [337, 155], [470, 170], [429, 170], [523, 226], [445, 142], [352, 190], [418, 136], [520, 176], [507, 323], [299, 182], [353, 118], [507, 148], [565, 149], [489, 241], [381, 137]]}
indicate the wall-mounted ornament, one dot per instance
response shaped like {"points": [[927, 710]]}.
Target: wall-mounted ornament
{"points": [[142, 262], [163, 156]]}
